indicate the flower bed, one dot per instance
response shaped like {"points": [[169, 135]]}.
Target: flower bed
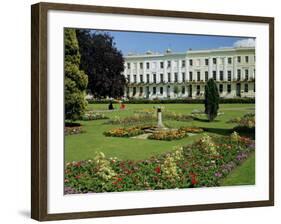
{"points": [[73, 130], [93, 116], [177, 117], [248, 120], [191, 129], [245, 124], [124, 132], [167, 135], [142, 116], [134, 119], [201, 164]]}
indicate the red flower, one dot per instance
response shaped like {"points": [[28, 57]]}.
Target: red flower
{"points": [[193, 179], [78, 177], [158, 169]]}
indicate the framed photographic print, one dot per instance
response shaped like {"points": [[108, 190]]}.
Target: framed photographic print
{"points": [[139, 111]]}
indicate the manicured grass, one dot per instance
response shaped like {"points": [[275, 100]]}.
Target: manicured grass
{"points": [[242, 175], [83, 146]]}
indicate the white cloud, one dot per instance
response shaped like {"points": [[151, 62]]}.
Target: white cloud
{"points": [[250, 42]]}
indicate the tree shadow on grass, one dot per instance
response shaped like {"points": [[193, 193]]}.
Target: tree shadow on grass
{"points": [[224, 131], [220, 131], [204, 120]]}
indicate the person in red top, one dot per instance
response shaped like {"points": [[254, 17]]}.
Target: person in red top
{"points": [[122, 106]]}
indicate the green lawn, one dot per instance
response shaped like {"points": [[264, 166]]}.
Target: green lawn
{"points": [[242, 175], [83, 146]]}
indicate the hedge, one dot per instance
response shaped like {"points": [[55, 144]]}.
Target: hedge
{"points": [[171, 101]]}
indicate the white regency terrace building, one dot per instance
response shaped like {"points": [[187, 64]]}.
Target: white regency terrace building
{"points": [[181, 75]]}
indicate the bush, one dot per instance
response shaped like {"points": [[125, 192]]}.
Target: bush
{"points": [[201, 164], [211, 99]]}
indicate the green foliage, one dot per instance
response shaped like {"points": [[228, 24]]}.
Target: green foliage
{"points": [[102, 62], [75, 80], [211, 100]]}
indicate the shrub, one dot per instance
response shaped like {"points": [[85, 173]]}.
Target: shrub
{"points": [[211, 99]]}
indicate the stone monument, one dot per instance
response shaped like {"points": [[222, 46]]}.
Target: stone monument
{"points": [[160, 124]]}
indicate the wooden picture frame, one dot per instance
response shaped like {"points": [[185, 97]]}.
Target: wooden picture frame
{"points": [[39, 108]]}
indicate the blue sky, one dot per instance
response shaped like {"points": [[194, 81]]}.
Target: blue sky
{"points": [[140, 42]]}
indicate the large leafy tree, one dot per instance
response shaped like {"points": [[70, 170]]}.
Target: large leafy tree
{"points": [[102, 62], [211, 100], [75, 80]]}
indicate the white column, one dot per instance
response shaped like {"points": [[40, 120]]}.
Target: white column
{"points": [[137, 72], [165, 76], [234, 66], [144, 71], [210, 67], [179, 70], [225, 72], [218, 68], [186, 70]]}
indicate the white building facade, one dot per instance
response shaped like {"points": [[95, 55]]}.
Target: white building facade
{"points": [[182, 75]]}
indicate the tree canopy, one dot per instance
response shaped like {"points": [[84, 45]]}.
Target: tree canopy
{"points": [[75, 80], [102, 62], [211, 99]]}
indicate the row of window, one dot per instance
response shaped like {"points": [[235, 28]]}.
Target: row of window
{"points": [[183, 89], [206, 62], [198, 76]]}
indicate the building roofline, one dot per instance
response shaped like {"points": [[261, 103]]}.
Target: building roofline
{"points": [[226, 49]]}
